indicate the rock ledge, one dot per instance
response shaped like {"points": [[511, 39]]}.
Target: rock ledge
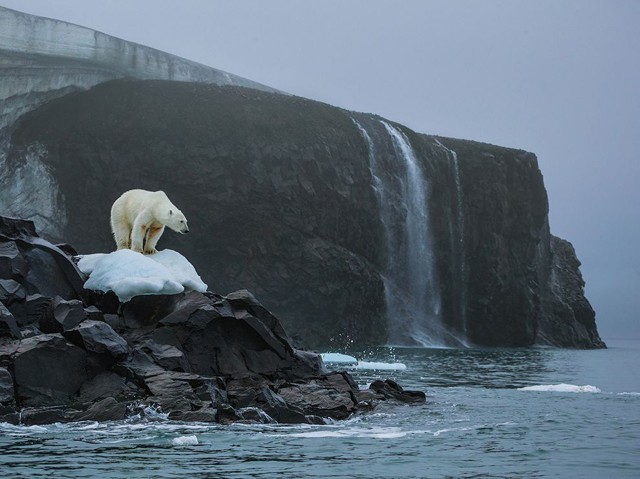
{"points": [[69, 354]]}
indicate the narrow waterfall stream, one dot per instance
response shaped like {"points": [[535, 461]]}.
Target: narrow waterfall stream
{"points": [[412, 296], [457, 234]]}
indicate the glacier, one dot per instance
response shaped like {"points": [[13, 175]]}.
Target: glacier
{"points": [[42, 58]]}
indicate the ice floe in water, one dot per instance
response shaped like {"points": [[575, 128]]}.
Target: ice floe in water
{"points": [[185, 440], [338, 358], [128, 273], [562, 388], [353, 363], [381, 366]]}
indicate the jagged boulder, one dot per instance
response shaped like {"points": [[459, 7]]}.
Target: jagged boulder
{"points": [[6, 387], [567, 319], [8, 324], [48, 370]]}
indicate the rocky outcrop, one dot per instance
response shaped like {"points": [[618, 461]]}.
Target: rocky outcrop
{"points": [[567, 319], [68, 354]]}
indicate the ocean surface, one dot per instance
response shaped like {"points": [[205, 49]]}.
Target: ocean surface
{"points": [[489, 413]]}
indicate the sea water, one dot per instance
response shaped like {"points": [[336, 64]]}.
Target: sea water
{"points": [[489, 413]]}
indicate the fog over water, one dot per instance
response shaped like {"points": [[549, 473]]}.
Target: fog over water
{"points": [[556, 77]]}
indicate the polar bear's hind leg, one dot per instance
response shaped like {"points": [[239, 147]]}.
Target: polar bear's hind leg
{"points": [[121, 234]]}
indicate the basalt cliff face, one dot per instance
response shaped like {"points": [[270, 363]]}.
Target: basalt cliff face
{"points": [[352, 229]]}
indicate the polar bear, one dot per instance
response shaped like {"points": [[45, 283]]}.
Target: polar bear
{"points": [[138, 219]]}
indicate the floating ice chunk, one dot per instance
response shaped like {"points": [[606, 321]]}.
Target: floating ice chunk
{"points": [[185, 441], [128, 273], [338, 358], [562, 388], [350, 361], [381, 366]]}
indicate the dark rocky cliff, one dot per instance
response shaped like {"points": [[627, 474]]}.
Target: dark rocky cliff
{"points": [[280, 196]]}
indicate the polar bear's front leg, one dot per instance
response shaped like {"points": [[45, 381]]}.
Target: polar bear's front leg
{"points": [[153, 235]]}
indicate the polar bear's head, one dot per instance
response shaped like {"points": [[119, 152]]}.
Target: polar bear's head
{"points": [[176, 221]]}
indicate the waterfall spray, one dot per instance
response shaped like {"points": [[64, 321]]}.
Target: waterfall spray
{"points": [[412, 295]]}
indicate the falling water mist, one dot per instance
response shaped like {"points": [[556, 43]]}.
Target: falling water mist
{"points": [[411, 288], [456, 233]]}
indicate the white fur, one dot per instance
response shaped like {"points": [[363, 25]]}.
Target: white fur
{"points": [[138, 219]]}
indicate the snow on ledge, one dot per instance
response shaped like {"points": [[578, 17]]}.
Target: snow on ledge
{"points": [[128, 273]]}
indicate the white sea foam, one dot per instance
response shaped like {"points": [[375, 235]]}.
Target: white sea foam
{"points": [[185, 441], [375, 433], [562, 388]]}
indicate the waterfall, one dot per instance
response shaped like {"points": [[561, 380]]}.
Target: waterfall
{"points": [[457, 235], [412, 295]]}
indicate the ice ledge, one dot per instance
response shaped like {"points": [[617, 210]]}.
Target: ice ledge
{"points": [[33, 35]]}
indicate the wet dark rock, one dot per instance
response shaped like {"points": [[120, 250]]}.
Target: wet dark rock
{"points": [[9, 415], [277, 408], [108, 384], [254, 415], [48, 370], [226, 414], [8, 325], [34, 310], [167, 356], [6, 387], [107, 409], [173, 391], [12, 263], [30, 331], [64, 315], [8, 348], [142, 311], [98, 337], [389, 389], [329, 396], [215, 391], [11, 291], [206, 414], [46, 415]]}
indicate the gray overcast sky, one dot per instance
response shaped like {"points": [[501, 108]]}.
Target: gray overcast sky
{"points": [[560, 78]]}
